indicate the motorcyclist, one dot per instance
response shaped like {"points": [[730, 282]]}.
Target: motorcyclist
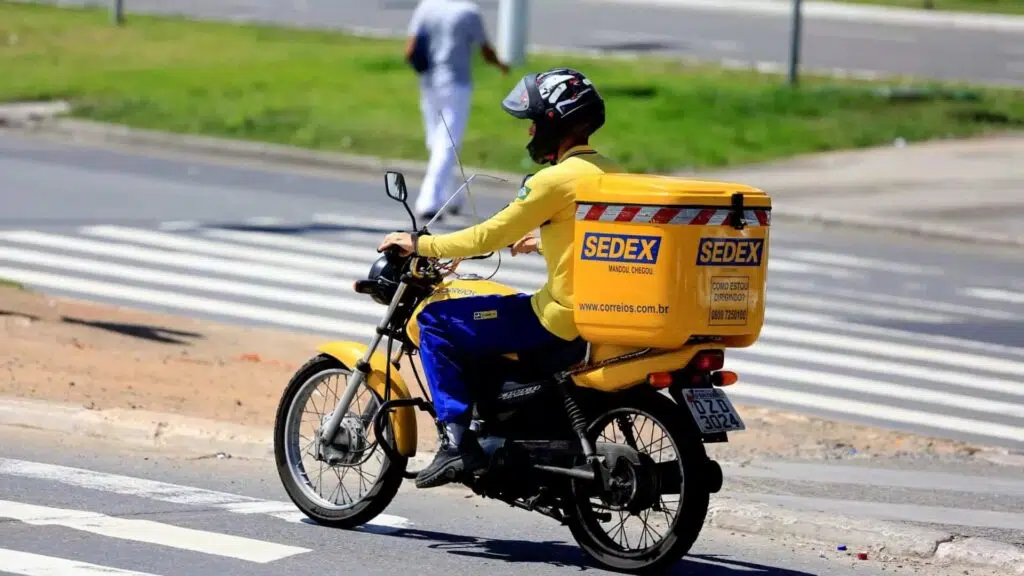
{"points": [[565, 109]]}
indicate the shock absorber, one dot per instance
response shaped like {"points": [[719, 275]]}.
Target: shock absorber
{"points": [[576, 417]]}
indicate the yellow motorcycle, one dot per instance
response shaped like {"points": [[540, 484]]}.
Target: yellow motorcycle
{"points": [[668, 274]]}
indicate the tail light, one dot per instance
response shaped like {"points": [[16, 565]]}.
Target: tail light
{"points": [[696, 372], [708, 361]]}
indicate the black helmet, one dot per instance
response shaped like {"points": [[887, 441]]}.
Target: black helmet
{"points": [[562, 102]]}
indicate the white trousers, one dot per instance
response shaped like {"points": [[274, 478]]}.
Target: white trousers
{"points": [[441, 179]]}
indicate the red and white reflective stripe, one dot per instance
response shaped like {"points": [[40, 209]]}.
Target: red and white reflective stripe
{"points": [[667, 215]]}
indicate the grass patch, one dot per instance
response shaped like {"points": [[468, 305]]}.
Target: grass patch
{"points": [[993, 6], [336, 92], [4, 283]]}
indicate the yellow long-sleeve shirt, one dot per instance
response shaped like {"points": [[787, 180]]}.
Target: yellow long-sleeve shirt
{"points": [[547, 201]]}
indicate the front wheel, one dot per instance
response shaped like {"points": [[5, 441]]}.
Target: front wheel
{"points": [[657, 507], [303, 465]]}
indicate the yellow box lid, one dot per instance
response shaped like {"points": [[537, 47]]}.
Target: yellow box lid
{"points": [[653, 189]]}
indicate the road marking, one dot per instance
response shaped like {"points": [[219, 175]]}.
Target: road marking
{"points": [[836, 258], [27, 564], [781, 315], [352, 268], [776, 395], [863, 363], [876, 388], [118, 484], [895, 511], [172, 493], [339, 247], [278, 274], [193, 303], [783, 266], [890, 300], [996, 295], [894, 350], [235, 251], [259, 551], [362, 306], [832, 304]]}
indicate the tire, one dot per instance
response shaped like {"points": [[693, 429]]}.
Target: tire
{"points": [[384, 488], [694, 492]]}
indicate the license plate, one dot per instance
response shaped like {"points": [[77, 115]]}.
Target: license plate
{"points": [[712, 410]]}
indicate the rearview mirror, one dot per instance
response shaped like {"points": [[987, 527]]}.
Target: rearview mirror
{"points": [[394, 184]]}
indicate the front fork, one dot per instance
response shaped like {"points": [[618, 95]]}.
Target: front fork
{"points": [[361, 372]]}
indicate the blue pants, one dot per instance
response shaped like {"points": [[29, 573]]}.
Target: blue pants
{"points": [[457, 335]]}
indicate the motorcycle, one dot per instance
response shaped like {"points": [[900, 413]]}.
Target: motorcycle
{"points": [[591, 435]]}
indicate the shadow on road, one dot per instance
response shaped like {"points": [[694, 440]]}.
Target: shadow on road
{"points": [[563, 555], [152, 333], [19, 314]]}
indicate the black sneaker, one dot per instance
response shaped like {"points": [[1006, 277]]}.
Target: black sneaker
{"points": [[451, 462]]}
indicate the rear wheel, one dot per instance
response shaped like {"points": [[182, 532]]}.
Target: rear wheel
{"points": [[656, 510], [366, 479]]}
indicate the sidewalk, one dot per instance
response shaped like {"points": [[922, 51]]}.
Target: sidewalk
{"points": [[851, 12], [968, 189]]}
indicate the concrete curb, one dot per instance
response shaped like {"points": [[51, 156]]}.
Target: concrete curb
{"points": [[877, 538], [161, 430], [240, 150], [86, 131]]}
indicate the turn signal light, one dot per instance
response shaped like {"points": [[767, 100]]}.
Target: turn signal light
{"points": [[724, 378], [660, 379]]}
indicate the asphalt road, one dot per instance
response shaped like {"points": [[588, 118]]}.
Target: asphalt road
{"points": [[701, 32], [914, 335], [79, 506]]}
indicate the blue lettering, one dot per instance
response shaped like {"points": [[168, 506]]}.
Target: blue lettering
{"points": [[621, 248], [730, 252]]}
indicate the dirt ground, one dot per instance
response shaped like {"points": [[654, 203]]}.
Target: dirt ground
{"points": [[105, 357]]}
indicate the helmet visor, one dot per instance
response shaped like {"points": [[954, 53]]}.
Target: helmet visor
{"points": [[517, 103]]}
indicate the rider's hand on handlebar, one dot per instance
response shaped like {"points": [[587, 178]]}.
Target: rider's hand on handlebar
{"points": [[526, 244], [402, 241]]}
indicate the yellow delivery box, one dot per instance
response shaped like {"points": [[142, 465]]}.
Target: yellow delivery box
{"points": [[660, 259]]}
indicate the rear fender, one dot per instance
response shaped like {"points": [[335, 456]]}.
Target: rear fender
{"points": [[403, 419]]}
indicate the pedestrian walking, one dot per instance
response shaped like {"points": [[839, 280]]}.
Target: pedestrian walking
{"points": [[442, 35]]}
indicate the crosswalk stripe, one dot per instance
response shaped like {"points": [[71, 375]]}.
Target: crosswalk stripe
{"points": [[352, 268], [27, 564], [783, 315], [889, 300], [361, 307], [894, 350], [278, 274], [167, 492], [784, 266], [996, 295], [194, 303], [357, 250], [175, 242], [863, 363], [815, 326], [821, 303], [835, 258], [883, 412], [876, 388], [150, 532], [118, 484]]}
